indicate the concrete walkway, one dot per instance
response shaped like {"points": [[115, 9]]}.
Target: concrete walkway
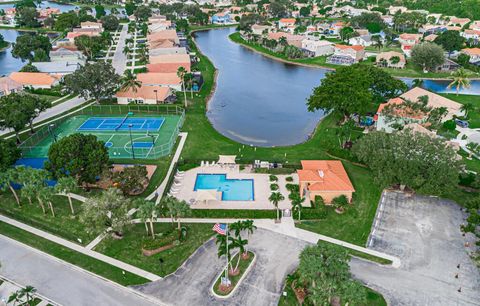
{"points": [[119, 58], [287, 227], [81, 249], [63, 282], [161, 189]]}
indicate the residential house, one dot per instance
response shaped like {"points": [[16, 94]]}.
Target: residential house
{"points": [[407, 41], [348, 10], [93, 26], [258, 29], [404, 116], [392, 10], [346, 55], [58, 67], [222, 18], [166, 51], [170, 80], [471, 34], [63, 54], [430, 38], [335, 28], [294, 40], [475, 25], [167, 63], [35, 79], [448, 66], [435, 17], [163, 35], [145, 95], [317, 47], [285, 23], [8, 86], [363, 40], [474, 54], [388, 20], [159, 26], [391, 59], [324, 178], [461, 22]]}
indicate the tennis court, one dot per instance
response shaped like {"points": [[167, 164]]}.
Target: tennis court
{"points": [[121, 124], [133, 136]]}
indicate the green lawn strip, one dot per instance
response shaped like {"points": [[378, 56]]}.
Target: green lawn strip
{"points": [[63, 225], [472, 163], [78, 259], [129, 249], [373, 297], [473, 116], [410, 70], [46, 97], [234, 279]]}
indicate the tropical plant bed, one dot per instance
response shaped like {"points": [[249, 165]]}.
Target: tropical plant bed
{"points": [[244, 266]]}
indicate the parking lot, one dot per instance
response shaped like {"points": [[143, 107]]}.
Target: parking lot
{"points": [[424, 232]]}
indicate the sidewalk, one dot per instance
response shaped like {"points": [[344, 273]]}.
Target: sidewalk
{"points": [[81, 249], [287, 227]]}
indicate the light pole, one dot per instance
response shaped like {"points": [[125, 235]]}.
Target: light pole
{"points": [[156, 96], [50, 130], [131, 140]]}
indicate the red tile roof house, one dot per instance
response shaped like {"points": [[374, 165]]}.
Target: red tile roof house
{"points": [[346, 55], [325, 178], [474, 54], [145, 95], [35, 79], [163, 35], [161, 79], [407, 41], [286, 22], [294, 40], [169, 63], [8, 86], [404, 116]]}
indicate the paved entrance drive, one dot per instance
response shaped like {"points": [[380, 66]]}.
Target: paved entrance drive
{"points": [[424, 232], [277, 255]]}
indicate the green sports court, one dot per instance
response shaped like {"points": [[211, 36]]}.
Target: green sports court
{"points": [[145, 132]]}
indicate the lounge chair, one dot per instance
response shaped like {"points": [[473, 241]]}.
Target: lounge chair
{"points": [[202, 163]]}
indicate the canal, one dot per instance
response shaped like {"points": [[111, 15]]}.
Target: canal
{"points": [[262, 102]]}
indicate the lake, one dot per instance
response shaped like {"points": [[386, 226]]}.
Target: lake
{"points": [[63, 7], [262, 102]]}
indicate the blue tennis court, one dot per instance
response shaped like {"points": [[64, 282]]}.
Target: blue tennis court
{"points": [[121, 124], [143, 145]]}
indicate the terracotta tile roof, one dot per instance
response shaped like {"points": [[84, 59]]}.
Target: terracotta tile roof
{"points": [[325, 175], [7, 84], [167, 67], [158, 78], [389, 54], [399, 112], [170, 58], [407, 36], [345, 47], [430, 37], [163, 43], [434, 100], [166, 34], [471, 51], [287, 20], [146, 92], [34, 78], [72, 35]]}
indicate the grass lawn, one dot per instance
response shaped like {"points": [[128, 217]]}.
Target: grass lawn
{"points": [[473, 116], [63, 224], [83, 261], [234, 279], [129, 249]]}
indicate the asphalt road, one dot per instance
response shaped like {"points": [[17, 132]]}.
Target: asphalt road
{"points": [[60, 281]]}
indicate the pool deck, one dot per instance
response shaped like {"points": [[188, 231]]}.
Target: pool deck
{"points": [[261, 183]]}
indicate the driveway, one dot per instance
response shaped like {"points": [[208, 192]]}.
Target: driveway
{"points": [[277, 255], [119, 60], [60, 281], [425, 233]]}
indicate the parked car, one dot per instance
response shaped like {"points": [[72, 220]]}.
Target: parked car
{"points": [[461, 123]]}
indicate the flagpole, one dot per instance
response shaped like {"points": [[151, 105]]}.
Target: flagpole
{"points": [[226, 271]]}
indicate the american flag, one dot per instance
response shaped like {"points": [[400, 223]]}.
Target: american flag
{"points": [[220, 228]]}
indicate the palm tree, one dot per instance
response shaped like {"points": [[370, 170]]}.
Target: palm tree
{"points": [[221, 241], [14, 298], [45, 195], [460, 80], [178, 209], [126, 50], [297, 202], [240, 244], [129, 81], [249, 227], [275, 198], [65, 186], [417, 83], [147, 211], [28, 293], [6, 179], [181, 74], [377, 42], [466, 108]]}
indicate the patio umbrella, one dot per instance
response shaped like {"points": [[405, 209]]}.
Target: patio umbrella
{"points": [[206, 195], [226, 159]]}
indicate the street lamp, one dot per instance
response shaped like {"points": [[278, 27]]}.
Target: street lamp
{"points": [[50, 131], [131, 140]]}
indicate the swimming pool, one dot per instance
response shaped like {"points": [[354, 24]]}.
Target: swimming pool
{"points": [[232, 189]]}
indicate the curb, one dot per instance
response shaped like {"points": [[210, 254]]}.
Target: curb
{"points": [[250, 267], [38, 295]]}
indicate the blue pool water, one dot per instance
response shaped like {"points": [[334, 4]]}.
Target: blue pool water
{"points": [[232, 189]]}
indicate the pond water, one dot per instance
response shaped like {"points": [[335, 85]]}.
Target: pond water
{"points": [[262, 102]]}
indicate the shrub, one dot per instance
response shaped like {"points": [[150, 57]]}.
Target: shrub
{"points": [[319, 202], [274, 187], [315, 213], [340, 201], [289, 179], [292, 188], [449, 125], [273, 178]]}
